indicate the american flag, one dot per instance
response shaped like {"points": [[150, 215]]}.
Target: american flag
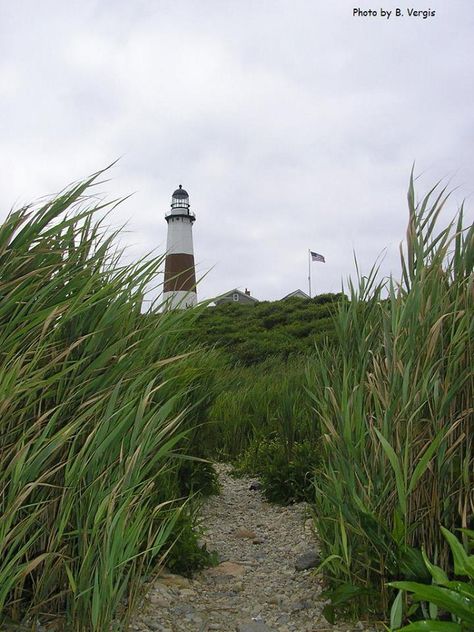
{"points": [[316, 257]]}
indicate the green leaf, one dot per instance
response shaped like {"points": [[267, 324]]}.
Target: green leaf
{"points": [[449, 600], [423, 463], [345, 547], [462, 588], [345, 593], [396, 611], [327, 561], [412, 565], [329, 614], [395, 463], [433, 610], [462, 562], [437, 573], [432, 626]]}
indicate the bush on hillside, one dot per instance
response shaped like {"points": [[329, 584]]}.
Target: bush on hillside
{"points": [[251, 334]]}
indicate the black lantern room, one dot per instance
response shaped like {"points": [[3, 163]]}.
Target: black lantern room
{"points": [[180, 199]]}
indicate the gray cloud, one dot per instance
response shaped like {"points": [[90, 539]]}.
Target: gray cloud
{"points": [[291, 124]]}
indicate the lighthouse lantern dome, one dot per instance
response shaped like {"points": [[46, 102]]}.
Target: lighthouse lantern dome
{"points": [[180, 199]]}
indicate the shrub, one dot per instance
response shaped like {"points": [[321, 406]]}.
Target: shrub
{"points": [[251, 334], [286, 477]]}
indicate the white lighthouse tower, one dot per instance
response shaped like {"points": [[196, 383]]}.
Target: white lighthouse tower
{"points": [[180, 275]]}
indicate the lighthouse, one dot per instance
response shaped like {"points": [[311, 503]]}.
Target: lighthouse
{"points": [[180, 275]]}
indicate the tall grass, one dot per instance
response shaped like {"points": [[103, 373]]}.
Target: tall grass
{"points": [[394, 405], [259, 402], [263, 423], [96, 399]]}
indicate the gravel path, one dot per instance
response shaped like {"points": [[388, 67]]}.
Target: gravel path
{"points": [[256, 587]]}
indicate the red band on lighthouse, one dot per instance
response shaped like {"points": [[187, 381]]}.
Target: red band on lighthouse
{"points": [[179, 273]]}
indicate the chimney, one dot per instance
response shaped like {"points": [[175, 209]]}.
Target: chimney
{"points": [[247, 292]]}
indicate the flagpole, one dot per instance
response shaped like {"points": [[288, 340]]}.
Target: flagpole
{"points": [[309, 271]]}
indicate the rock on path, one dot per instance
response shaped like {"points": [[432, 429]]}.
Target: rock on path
{"points": [[256, 587]]}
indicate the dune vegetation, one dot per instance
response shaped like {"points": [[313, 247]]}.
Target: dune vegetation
{"points": [[360, 403], [99, 403], [393, 403], [268, 330], [374, 424]]}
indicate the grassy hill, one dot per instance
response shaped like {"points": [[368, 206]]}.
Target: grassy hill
{"points": [[252, 333]]}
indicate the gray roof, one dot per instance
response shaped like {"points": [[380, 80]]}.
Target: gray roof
{"points": [[297, 292], [236, 291]]}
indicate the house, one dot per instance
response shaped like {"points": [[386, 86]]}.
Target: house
{"points": [[236, 296], [297, 294]]}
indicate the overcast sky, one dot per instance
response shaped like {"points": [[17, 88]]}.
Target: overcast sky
{"points": [[291, 123]]}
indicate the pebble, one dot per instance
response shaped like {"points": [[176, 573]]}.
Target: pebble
{"points": [[254, 626], [245, 534], [254, 588], [227, 568], [310, 559]]}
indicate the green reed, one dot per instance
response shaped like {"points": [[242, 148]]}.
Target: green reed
{"points": [[96, 401], [393, 401], [258, 402]]}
